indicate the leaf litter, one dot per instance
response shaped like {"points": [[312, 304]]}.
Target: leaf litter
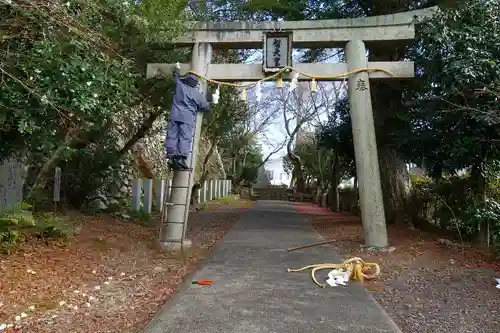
{"points": [[427, 285], [109, 278]]}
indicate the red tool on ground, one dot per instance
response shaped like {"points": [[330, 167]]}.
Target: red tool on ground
{"points": [[203, 282]]}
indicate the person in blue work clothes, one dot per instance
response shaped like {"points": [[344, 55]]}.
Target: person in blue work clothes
{"points": [[187, 101]]}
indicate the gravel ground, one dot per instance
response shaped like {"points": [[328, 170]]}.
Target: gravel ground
{"points": [[427, 285], [109, 279]]}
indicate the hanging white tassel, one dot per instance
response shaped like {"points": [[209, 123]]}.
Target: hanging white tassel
{"points": [[216, 95], [295, 81], [314, 87], [178, 65], [215, 99], [258, 93]]}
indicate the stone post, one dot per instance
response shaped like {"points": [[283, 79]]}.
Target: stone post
{"points": [[210, 189], [148, 195], [201, 59], [365, 147], [205, 185], [168, 189], [11, 183], [136, 195], [173, 232], [159, 194]]}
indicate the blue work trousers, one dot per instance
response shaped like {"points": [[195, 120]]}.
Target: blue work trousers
{"points": [[179, 139]]}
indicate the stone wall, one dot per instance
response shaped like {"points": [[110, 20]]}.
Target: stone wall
{"points": [[152, 151], [145, 160], [11, 183]]}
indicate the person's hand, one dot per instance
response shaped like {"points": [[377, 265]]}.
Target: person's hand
{"points": [[176, 73], [177, 68]]}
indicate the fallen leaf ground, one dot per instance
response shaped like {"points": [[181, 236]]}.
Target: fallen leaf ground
{"points": [[109, 278], [425, 286]]}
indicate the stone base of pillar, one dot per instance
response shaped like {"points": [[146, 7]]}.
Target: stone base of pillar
{"points": [[175, 246], [377, 249]]}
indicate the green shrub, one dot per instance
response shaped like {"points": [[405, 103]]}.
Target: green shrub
{"points": [[455, 204], [451, 205], [493, 188], [11, 221], [417, 180], [17, 216], [141, 217], [227, 199], [52, 226], [19, 220]]}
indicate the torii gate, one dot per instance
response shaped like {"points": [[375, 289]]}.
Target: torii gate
{"points": [[349, 33]]}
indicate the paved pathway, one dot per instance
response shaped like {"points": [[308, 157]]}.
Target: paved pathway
{"points": [[253, 293]]}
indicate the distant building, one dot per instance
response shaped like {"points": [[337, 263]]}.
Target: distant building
{"points": [[283, 179], [263, 179]]}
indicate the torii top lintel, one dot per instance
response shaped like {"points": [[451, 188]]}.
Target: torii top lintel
{"points": [[306, 34]]}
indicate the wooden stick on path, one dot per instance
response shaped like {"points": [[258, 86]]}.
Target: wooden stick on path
{"points": [[310, 245]]}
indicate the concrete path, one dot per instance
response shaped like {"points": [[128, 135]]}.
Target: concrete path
{"points": [[253, 293]]}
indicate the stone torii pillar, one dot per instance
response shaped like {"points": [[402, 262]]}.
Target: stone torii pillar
{"points": [[174, 230], [363, 133]]}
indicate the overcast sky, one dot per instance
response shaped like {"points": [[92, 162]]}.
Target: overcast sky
{"points": [[275, 133]]}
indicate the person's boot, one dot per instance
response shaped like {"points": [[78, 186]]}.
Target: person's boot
{"points": [[182, 163], [172, 163]]}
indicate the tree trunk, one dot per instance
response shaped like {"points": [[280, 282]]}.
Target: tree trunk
{"points": [[298, 175], [386, 96], [204, 174], [194, 196], [437, 173], [333, 196], [142, 131], [319, 192], [395, 184], [41, 174], [479, 185]]}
